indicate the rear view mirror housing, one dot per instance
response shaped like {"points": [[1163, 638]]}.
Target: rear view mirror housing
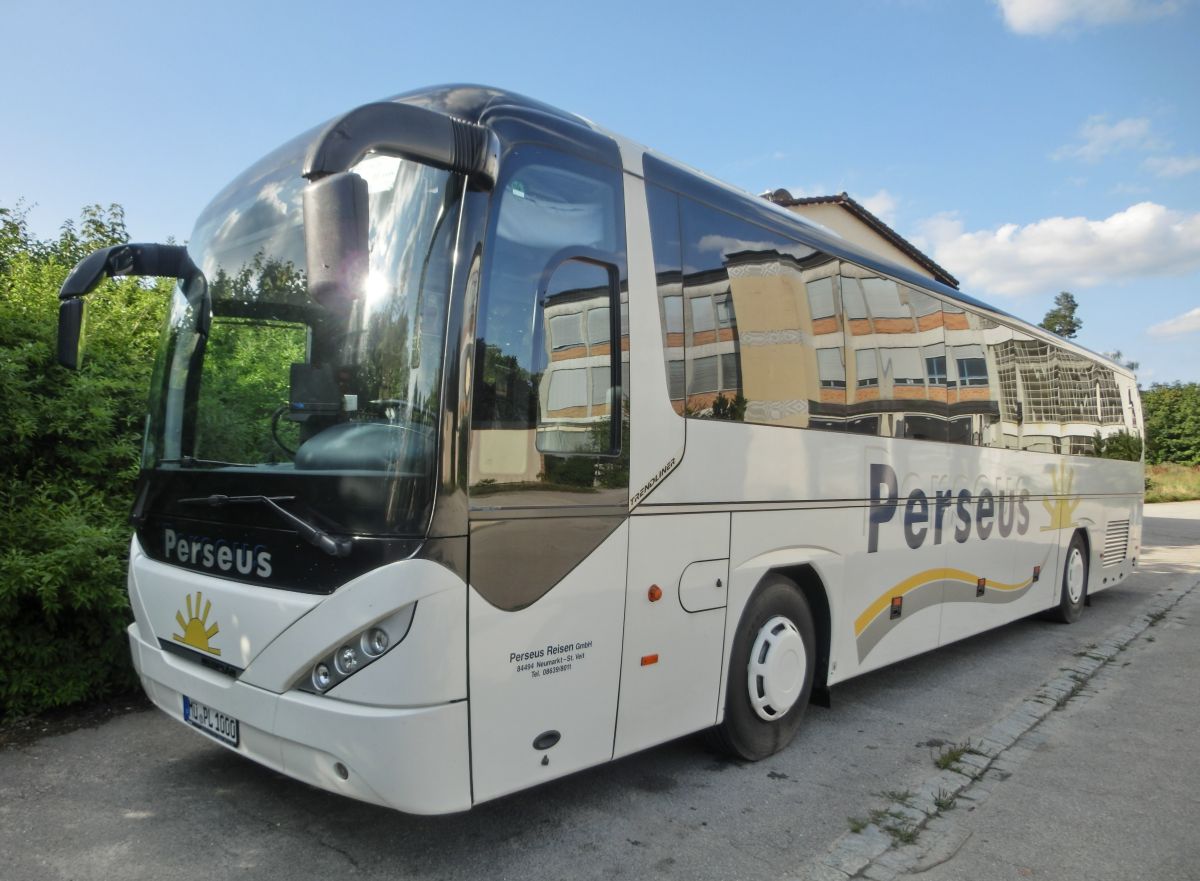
{"points": [[160, 261], [336, 239], [336, 220]]}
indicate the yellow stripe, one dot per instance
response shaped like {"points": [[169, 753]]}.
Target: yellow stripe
{"points": [[920, 580]]}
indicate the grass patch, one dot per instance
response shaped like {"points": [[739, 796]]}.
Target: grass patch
{"points": [[950, 756], [944, 800], [896, 825], [857, 824], [1172, 483]]}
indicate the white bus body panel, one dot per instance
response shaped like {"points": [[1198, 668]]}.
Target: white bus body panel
{"points": [[248, 616], [676, 692], [550, 667], [398, 727], [803, 497]]}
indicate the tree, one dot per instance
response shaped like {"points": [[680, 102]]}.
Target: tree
{"points": [[69, 445], [1119, 357], [1061, 319], [1172, 417]]}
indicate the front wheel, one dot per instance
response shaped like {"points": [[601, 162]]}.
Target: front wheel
{"points": [[770, 672], [1074, 583]]}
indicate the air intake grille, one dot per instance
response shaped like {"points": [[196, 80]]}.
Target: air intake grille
{"points": [[1116, 542]]}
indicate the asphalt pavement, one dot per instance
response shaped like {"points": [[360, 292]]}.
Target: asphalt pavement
{"points": [[1111, 779], [1110, 787]]}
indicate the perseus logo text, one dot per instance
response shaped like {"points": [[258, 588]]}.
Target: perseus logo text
{"points": [[219, 555], [924, 518]]}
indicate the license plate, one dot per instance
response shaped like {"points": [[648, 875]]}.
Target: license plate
{"points": [[210, 721]]}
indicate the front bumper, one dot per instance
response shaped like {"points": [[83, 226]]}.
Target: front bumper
{"points": [[412, 759]]}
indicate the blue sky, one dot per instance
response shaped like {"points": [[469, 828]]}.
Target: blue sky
{"points": [[1029, 146]]}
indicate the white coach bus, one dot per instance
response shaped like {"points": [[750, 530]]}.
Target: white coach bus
{"points": [[485, 446]]}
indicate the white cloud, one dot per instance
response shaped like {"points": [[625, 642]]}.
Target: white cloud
{"points": [[1100, 138], [1044, 17], [1188, 322], [1172, 166], [882, 205], [1065, 253]]}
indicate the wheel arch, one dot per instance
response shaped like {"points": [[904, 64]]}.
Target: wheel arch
{"points": [[1085, 536], [808, 581], [810, 568]]}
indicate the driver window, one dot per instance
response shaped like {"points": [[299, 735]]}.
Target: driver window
{"points": [[547, 368]]}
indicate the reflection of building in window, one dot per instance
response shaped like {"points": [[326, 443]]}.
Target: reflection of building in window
{"points": [[867, 368], [711, 344], [971, 365], [760, 328], [831, 368], [1053, 399], [853, 222], [575, 388], [935, 365]]}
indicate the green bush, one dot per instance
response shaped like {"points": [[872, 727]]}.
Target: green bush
{"points": [[1121, 445], [1172, 415], [70, 444]]}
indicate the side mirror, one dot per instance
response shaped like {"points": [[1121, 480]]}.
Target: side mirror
{"points": [[336, 239], [70, 333], [159, 261]]}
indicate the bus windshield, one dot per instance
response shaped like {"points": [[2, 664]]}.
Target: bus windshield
{"points": [[255, 377]]}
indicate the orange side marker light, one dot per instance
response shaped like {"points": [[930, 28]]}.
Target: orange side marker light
{"points": [[654, 593], [647, 660]]}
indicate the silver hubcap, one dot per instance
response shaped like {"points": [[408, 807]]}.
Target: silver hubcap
{"points": [[1075, 570], [778, 666]]}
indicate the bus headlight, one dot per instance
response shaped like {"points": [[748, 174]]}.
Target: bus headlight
{"points": [[360, 650], [346, 660], [322, 678], [375, 642]]}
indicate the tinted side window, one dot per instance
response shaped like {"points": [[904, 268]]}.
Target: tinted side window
{"points": [[972, 385], [747, 322], [896, 346]]}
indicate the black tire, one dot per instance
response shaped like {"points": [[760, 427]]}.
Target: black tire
{"points": [[1073, 592], [745, 733]]}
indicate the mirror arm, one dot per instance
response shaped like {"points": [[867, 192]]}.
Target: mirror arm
{"points": [[409, 131], [157, 261]]}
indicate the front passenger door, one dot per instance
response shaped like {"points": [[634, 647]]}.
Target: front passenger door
{"points": [[549, 474]]}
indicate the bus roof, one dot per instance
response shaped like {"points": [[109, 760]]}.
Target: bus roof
{"points": [[474, 103]]}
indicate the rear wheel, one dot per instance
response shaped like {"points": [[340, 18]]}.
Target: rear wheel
{"points": [[1074, 583], [770, 672]]}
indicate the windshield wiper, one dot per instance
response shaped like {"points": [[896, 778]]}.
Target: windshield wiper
{"points": [[318, 538]]}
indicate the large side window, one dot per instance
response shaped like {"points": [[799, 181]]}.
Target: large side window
{"points": [[749, 324], [972, 390], [548, 407], [898, 346]]}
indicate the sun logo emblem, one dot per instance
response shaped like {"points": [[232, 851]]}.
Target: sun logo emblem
{"points": [[196, 631], [1061, 506]]}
